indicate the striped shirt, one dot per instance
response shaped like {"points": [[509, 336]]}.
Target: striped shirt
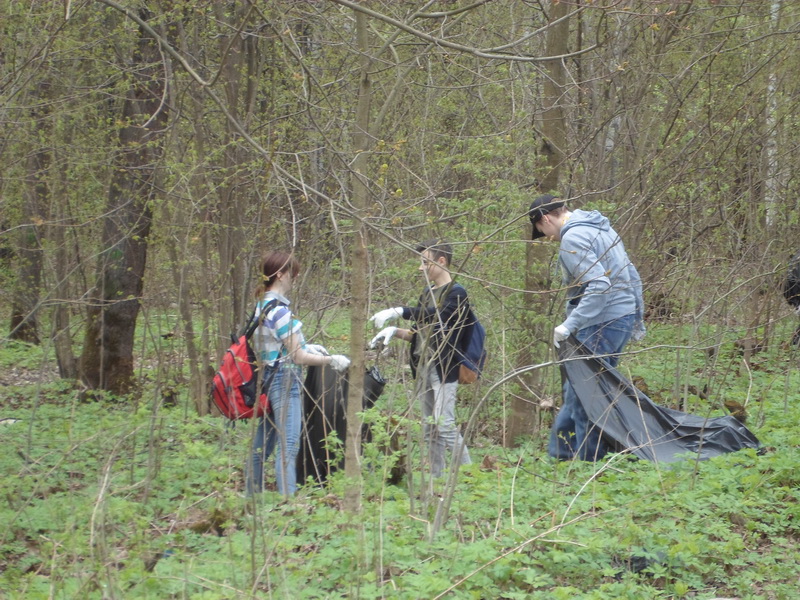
{"points": [[276, 326]]}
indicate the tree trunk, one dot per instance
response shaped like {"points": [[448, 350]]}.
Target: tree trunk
{"points": [[25, 297], [64, 261], [240, 56], [62, 340], [107, 359], [523, 419], [201, 371], [29, 255], [358, 254], [774, 177], [554, 127]]}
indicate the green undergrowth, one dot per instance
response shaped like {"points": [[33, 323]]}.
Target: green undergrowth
{"points": [[108, 499]]}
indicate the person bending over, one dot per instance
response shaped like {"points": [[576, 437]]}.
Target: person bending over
{"points": [[604, 307]]}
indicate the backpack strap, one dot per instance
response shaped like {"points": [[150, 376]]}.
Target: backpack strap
{"points": [[468, 317], [253, 322]]}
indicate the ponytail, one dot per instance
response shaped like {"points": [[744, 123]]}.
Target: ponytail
{"points": [[273, 264]]}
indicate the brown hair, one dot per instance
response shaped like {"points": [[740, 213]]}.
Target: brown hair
{"points": [[437, 248], [274, 263]]}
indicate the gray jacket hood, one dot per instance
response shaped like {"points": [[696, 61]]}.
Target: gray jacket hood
{"points": [[588, 219]]}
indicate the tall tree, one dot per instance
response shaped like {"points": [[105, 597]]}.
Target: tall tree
{"points": [[24, 309], [358, 257], [553, 128], [107, 359], [239, 69]]}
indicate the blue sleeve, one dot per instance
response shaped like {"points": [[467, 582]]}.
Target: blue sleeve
{"points": [[587, 272]]}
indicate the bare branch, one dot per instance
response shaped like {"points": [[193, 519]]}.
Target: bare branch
{"points": [[488, 54]]}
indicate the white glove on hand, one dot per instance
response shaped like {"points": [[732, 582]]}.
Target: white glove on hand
{"points": [[639, 330], [316, 349], [339, 362], [384, 337], [380, 318], [560, 333]]}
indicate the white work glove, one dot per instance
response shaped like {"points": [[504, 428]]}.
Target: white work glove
{"points": [[380, 318], [316, 349], [560, 333], [639, 331], [339, 362], [384, 337]]}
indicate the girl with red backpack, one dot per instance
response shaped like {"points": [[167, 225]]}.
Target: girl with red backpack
{"points": [[281, 348]]}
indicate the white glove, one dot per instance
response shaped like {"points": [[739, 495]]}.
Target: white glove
{"points": [[380, 318], [639, 332], [316, 349], [384, 337], [560, 333], [339, 362], [797, 310]]}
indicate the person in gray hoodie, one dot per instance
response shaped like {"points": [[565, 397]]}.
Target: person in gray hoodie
{"points": [[604, 307]]}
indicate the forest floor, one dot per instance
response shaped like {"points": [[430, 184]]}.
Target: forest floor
{"points": [[132, 499]]}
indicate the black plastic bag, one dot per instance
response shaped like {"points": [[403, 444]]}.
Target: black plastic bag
{"points": [[630, 421], [325, 411]]}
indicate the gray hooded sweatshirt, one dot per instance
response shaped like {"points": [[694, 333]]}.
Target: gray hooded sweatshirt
{"points": [[602, 283]]}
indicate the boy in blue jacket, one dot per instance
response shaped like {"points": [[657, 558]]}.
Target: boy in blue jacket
{"points": [[604, 307]]}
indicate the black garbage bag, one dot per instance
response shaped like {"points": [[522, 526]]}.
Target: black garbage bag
{"points": [[325, 411], [630, 422], [791, 291]]}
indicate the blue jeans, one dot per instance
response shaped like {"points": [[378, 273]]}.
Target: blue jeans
{"points": [[573, 434], [280, 428]]}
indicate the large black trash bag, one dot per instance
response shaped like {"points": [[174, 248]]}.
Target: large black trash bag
{"points": [[630, 421], [325, 411], [791, 286], [791, 290]]}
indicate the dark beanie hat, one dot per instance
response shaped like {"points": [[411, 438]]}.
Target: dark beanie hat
{"points": [[540, 207]]}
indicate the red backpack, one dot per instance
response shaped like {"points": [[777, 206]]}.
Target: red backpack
{"points": [[234, 388]]}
